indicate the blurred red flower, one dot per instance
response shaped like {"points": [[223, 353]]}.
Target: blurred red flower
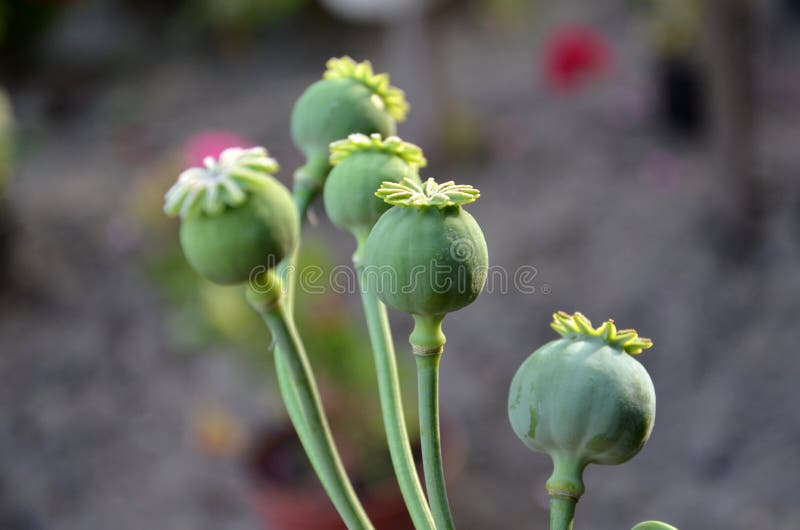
{"points": [[573, 55], [211, 142]]}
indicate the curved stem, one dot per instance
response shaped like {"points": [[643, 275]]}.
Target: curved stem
{"points": [[562, 512], [309, 417], [394, 422], [290, 400], [428, 386], [287, 268]]}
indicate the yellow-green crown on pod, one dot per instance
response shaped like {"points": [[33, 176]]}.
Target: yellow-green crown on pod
{"points": [[427, 194], [220, 183], [384, 95], [577, 325], [410, 153]]}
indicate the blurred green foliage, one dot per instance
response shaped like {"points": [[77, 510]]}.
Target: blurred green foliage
{"points": [[675, 26], [22, 25], [6, 140], [239, 18]]}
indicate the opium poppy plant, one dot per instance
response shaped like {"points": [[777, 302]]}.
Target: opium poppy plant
{"points": [[582, 399]]}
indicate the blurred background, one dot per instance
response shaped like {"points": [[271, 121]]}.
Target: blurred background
{"points": [[638, 160]]}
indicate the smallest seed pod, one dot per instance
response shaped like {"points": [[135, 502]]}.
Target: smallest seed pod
{"points": [[237, 220], [360, 164]]}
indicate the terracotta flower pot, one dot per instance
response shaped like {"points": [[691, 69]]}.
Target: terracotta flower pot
{"points": [[287, 496]]}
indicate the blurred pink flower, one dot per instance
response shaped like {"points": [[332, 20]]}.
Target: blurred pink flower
{"points": [[574, 54], [211, 142]]}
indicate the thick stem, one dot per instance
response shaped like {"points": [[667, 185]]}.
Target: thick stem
{"points": [[394, 422], [428, 386], [567, 477], [309, 417], [565, 487], [562, 512], [427, 337]]}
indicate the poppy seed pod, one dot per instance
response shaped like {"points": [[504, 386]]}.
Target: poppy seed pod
{"points": [[236, 218], [583, 399], [426, 256], [360, 164], [349, 99]]}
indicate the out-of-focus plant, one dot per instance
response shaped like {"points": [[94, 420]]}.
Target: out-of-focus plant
{"points": [[236, 19], [6, 152], [582, 399], [6, 141], [675, 26], [23, 25], [510, 14], [574, 55]]}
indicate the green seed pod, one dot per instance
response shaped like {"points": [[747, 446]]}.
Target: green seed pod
{"points": [[583, 399], [426, 256], [236, 218], [349, 99], [360, 164]]}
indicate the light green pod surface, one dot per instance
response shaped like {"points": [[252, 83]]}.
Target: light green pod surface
{"points": [[227, 247], [582, 399], [350, 99], [361, 165], [349, 195], [332, 109], [235, 216], [426, 261]]}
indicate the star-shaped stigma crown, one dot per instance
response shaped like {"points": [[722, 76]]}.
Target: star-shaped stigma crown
{"points": [[427, 194], [220, 183], [577, 325], [390, 98], [391, 145]]}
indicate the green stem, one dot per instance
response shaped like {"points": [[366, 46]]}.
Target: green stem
{"points": [[428, 386], [394, 422], [292, 403], [310, 178], [427, 337], [287, 268], [309, 418], [562, 512]]}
